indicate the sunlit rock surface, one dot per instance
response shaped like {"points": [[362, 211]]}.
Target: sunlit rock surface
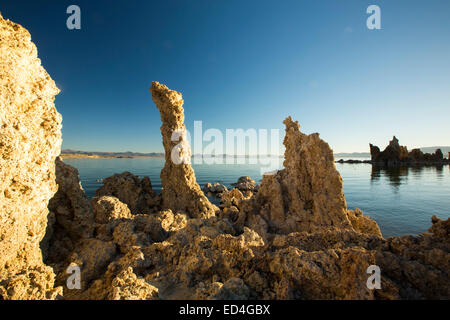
{"points": [[307, 194], [292, 239], [30, 140], [239, 254], [180, 189], [136, 193]]}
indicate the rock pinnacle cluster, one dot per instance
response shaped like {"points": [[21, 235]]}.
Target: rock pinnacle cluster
{"points": [[291, 237]]}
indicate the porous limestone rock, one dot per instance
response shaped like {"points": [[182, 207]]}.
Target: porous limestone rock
{"points": [[127, 286], [215, 189], [245, 183], [395, 154], [70, 211], [168, 255], [107, 208], [307, 194], [231, 198], [136, 193], [419, 266], [207, 259], [70, 220], [180, 189], [112, 234], [294, 239], [362, 223], [30, 140]]}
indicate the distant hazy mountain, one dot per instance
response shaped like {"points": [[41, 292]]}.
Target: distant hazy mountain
{"points": [[127, 154], [445, 150], [353, 154]]}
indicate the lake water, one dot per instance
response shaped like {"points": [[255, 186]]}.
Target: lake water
{"points": [[401, 200]]}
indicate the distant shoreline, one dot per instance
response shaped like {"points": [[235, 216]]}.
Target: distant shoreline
{"points": [[73, 154], [97, 156], [121, 156], [399, 164]]}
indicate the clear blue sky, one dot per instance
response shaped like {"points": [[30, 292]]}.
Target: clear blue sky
{"points": [[247, 64]]}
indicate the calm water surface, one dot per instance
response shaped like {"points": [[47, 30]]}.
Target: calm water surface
{"points": [[401, 200]]}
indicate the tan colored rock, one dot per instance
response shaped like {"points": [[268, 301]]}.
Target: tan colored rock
{"points": [[120, 282], [127, 286], [70, 219], [242, 254], [419, 265], [231, 198], [363, 224], [167, 256], [180, 189], [107, 208], [232, 289], [70, 204], [30, 140], [295, 239], [307, 195], [217, 189], [245, 183], [137, 194]]}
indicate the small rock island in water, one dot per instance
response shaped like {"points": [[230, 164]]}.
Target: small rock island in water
{"points": [[291, 237], [396, 155]]}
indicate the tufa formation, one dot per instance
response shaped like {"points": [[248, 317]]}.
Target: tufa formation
{"points": [[30, 140], [291, 238], [395, 154], [307, 194], [180, 189]]}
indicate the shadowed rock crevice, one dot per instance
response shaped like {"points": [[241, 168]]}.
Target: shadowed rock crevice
{"points": [[70, 218]]}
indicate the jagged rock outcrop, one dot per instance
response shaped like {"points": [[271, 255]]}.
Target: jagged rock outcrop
{"points": [[362, 223], [294, 239], [207, 259], [98, 235], [107, 208], [30, 140], [392, 155], [238, 254], [245, 184], [137, 194], [180, 189], [232, 210], [418, 266], [215, 189], [307, 194], [395, 154]]}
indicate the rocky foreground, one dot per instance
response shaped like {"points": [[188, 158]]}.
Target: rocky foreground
{"points": [[292, 239]]}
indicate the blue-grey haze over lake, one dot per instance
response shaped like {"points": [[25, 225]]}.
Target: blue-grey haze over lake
{"points": [[401, 199]]}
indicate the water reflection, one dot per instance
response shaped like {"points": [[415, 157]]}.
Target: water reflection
{"points": [[398, 176]]}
